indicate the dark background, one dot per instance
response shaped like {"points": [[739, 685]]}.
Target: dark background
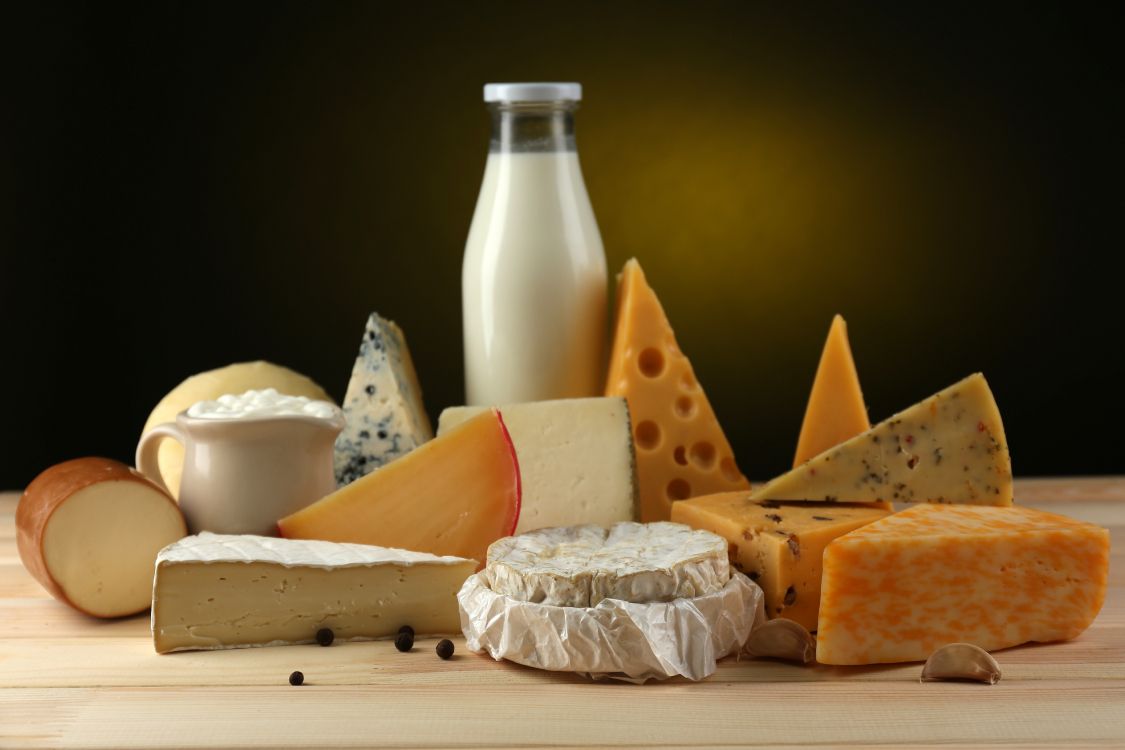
{"points": [[189, 185]]}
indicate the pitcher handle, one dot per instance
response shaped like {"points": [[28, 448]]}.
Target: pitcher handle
{"points": [[147, 462]]}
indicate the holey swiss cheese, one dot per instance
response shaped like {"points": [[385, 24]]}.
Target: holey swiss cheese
{"points": [[217, 591], [579, 566]]}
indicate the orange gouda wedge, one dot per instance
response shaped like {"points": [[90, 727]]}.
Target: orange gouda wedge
{"points": [[681, 450], [836, 410], [453, 495], [898, 589]]}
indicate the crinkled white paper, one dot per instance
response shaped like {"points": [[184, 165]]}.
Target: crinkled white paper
{"points": [[616, 639]]}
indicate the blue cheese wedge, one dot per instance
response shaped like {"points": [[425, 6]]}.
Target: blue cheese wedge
{"points": [[216, 591], [579, 566], [383, 406]]}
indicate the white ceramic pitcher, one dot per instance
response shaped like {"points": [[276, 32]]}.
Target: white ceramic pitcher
{"points": [[242, 474]]}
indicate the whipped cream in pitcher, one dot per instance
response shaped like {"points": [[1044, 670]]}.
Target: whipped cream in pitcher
{"points": [[534, 273]]}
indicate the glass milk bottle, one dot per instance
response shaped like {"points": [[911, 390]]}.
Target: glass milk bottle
{"points": [[533, 283]]}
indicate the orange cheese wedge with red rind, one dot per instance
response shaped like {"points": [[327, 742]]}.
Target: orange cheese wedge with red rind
{"points": [[454, 495]]}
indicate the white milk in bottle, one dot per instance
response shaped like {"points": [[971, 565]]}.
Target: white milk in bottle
{"points": [[533, 283]]}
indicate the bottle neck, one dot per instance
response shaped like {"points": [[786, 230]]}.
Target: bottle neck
{"points": [[532, 127]]}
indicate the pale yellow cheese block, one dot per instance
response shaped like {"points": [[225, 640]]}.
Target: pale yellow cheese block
{"points": [[206, 386], [778, 545], [899, 588], [949, 448]]}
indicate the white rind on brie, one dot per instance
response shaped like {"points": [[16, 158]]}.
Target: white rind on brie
{"points": [[215, 591], [579, 566]]}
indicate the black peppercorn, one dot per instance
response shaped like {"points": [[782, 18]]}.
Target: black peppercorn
{"points": [[325, 636], [444, 648], [407, 629], [404, 642], [297, 678]]}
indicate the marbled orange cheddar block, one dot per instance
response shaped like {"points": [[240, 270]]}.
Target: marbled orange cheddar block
{"points": [[681, 449], [899, 588]]}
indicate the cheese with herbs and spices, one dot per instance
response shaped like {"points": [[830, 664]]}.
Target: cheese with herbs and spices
{"points": [[950, 448], [777, 544]]}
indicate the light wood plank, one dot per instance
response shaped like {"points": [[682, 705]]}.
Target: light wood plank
{"points": [[69, 680], [598, 714]]}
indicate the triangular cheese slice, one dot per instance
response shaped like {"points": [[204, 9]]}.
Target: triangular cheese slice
{"points": [[949, 448], [681, 450], [836, 410]]}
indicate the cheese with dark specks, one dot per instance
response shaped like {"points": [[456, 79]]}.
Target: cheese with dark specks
{"points": [[383, 406]]}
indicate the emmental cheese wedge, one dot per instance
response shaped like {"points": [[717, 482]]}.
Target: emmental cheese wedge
{"points": [[949, 448], [836, 411], [216, 591], [898, 589], [777, 544], [681, 449], [454, 495]]}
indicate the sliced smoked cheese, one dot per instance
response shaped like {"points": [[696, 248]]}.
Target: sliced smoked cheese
{"points": [[576, 459], [681, 449], [454, 495], [217, 591], [901, 587], [836, 410], [89, 529], [949, 448], [777, 544]]}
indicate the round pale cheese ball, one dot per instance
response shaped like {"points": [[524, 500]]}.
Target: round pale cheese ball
{"points": [[207, 386]]}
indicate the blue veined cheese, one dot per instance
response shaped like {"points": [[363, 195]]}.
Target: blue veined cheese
{"points": [[383, 406]]}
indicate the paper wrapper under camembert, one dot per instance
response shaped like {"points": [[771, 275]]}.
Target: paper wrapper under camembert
{"points": [[616, 639]]}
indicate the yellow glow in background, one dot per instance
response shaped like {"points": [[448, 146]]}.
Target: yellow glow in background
{"points": [[931, 177]]}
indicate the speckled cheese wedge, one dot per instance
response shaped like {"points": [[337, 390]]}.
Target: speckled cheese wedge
{"points": [[777, 544], [383, 406], [898, 589], [579, 566], [681, 449], [949, 448]]}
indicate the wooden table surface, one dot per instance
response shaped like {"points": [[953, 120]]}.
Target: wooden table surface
{"points": [[69, 680]]}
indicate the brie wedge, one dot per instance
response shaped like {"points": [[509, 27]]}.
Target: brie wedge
{"points": [[215, 591]]}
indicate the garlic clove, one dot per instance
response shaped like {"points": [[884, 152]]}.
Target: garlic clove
{"points": [[782, 639], [961, 661]]}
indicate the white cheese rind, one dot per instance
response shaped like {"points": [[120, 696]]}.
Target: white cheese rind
{"points": [[206, 547], [215, 591], [621, 640], [383, 406], [580, 566], [576, 459]]}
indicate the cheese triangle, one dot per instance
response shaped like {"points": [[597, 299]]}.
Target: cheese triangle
{"points": [[681, 449], [836, 410], [950, 448]]}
